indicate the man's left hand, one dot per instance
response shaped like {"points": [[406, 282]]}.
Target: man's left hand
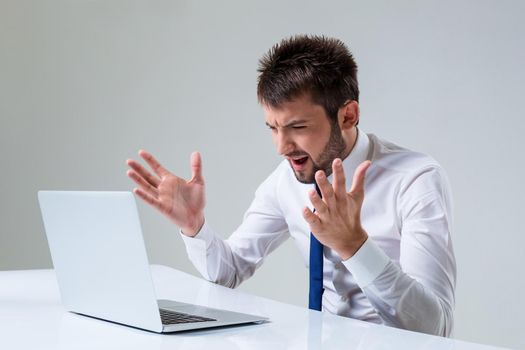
{"points": [[336, 222]]}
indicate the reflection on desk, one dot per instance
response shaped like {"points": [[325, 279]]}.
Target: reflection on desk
{"points": [[31, 316]]}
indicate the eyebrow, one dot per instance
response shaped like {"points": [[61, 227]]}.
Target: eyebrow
{"points": [[290, 124]]}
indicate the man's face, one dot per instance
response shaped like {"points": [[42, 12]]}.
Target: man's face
{"points": [[305, 136]]}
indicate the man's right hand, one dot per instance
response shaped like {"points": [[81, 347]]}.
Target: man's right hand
{"points": [[180, 200]]}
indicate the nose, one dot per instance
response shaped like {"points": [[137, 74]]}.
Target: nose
{"points": [[283, 143]]}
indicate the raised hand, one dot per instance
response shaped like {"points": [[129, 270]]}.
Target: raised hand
{"points": [[336, 222], [180, 200]]}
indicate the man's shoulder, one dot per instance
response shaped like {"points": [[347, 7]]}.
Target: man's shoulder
{"points": [[395, 158], [282, 169], [279, 173]]}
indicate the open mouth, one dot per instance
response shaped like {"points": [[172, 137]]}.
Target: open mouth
{"points": [[299, 161]]}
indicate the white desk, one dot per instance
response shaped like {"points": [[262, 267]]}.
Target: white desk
{"points": [[31, 317]]}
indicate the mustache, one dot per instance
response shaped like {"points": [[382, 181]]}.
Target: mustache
{"points": [[297, 154]]}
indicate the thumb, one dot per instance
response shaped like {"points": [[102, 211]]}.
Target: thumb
{"points": [[196, 167], [358, 182]]}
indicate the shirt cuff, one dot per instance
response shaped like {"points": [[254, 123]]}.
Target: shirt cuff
{"points": [[367, 263], [201, 240]]}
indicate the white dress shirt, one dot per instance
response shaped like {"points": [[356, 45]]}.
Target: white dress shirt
{"points": [[405, 273]]}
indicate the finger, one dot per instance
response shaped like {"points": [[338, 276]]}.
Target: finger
{"points": [[147, 198], [312, 220], [146, 175], [196, 167], [339, 182], [358, 182], [320, 207], [153, 163], [326, 188], [146, 186]]}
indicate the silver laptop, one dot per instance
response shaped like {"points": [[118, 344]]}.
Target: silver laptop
{"points": [[100, 260]]}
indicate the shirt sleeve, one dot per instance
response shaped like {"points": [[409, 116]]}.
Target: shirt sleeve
{"points": [[416, 293], [231, 261]]}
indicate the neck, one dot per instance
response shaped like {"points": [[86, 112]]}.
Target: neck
{"points": [[350, 141]]}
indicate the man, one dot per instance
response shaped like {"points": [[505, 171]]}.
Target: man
{"points": [[378, 246]]}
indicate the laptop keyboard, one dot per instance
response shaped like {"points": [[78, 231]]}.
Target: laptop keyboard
{"points": [[173, 317]]}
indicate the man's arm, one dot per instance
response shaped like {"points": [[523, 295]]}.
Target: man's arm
{"points": [[417, 294], [229, 262], [225, 262]]}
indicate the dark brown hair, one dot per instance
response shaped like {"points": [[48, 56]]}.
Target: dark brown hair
{"points": [[320, 66]]}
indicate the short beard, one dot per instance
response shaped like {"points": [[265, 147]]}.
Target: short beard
{"points": [[334, 148]]}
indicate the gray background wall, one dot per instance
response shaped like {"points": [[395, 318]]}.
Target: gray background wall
{"points": [[85, 84]]}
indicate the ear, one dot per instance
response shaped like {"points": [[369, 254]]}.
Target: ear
{"points": [[348, 115]]}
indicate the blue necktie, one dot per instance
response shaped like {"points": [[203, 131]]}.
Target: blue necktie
{"points": [[316, 270]]}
